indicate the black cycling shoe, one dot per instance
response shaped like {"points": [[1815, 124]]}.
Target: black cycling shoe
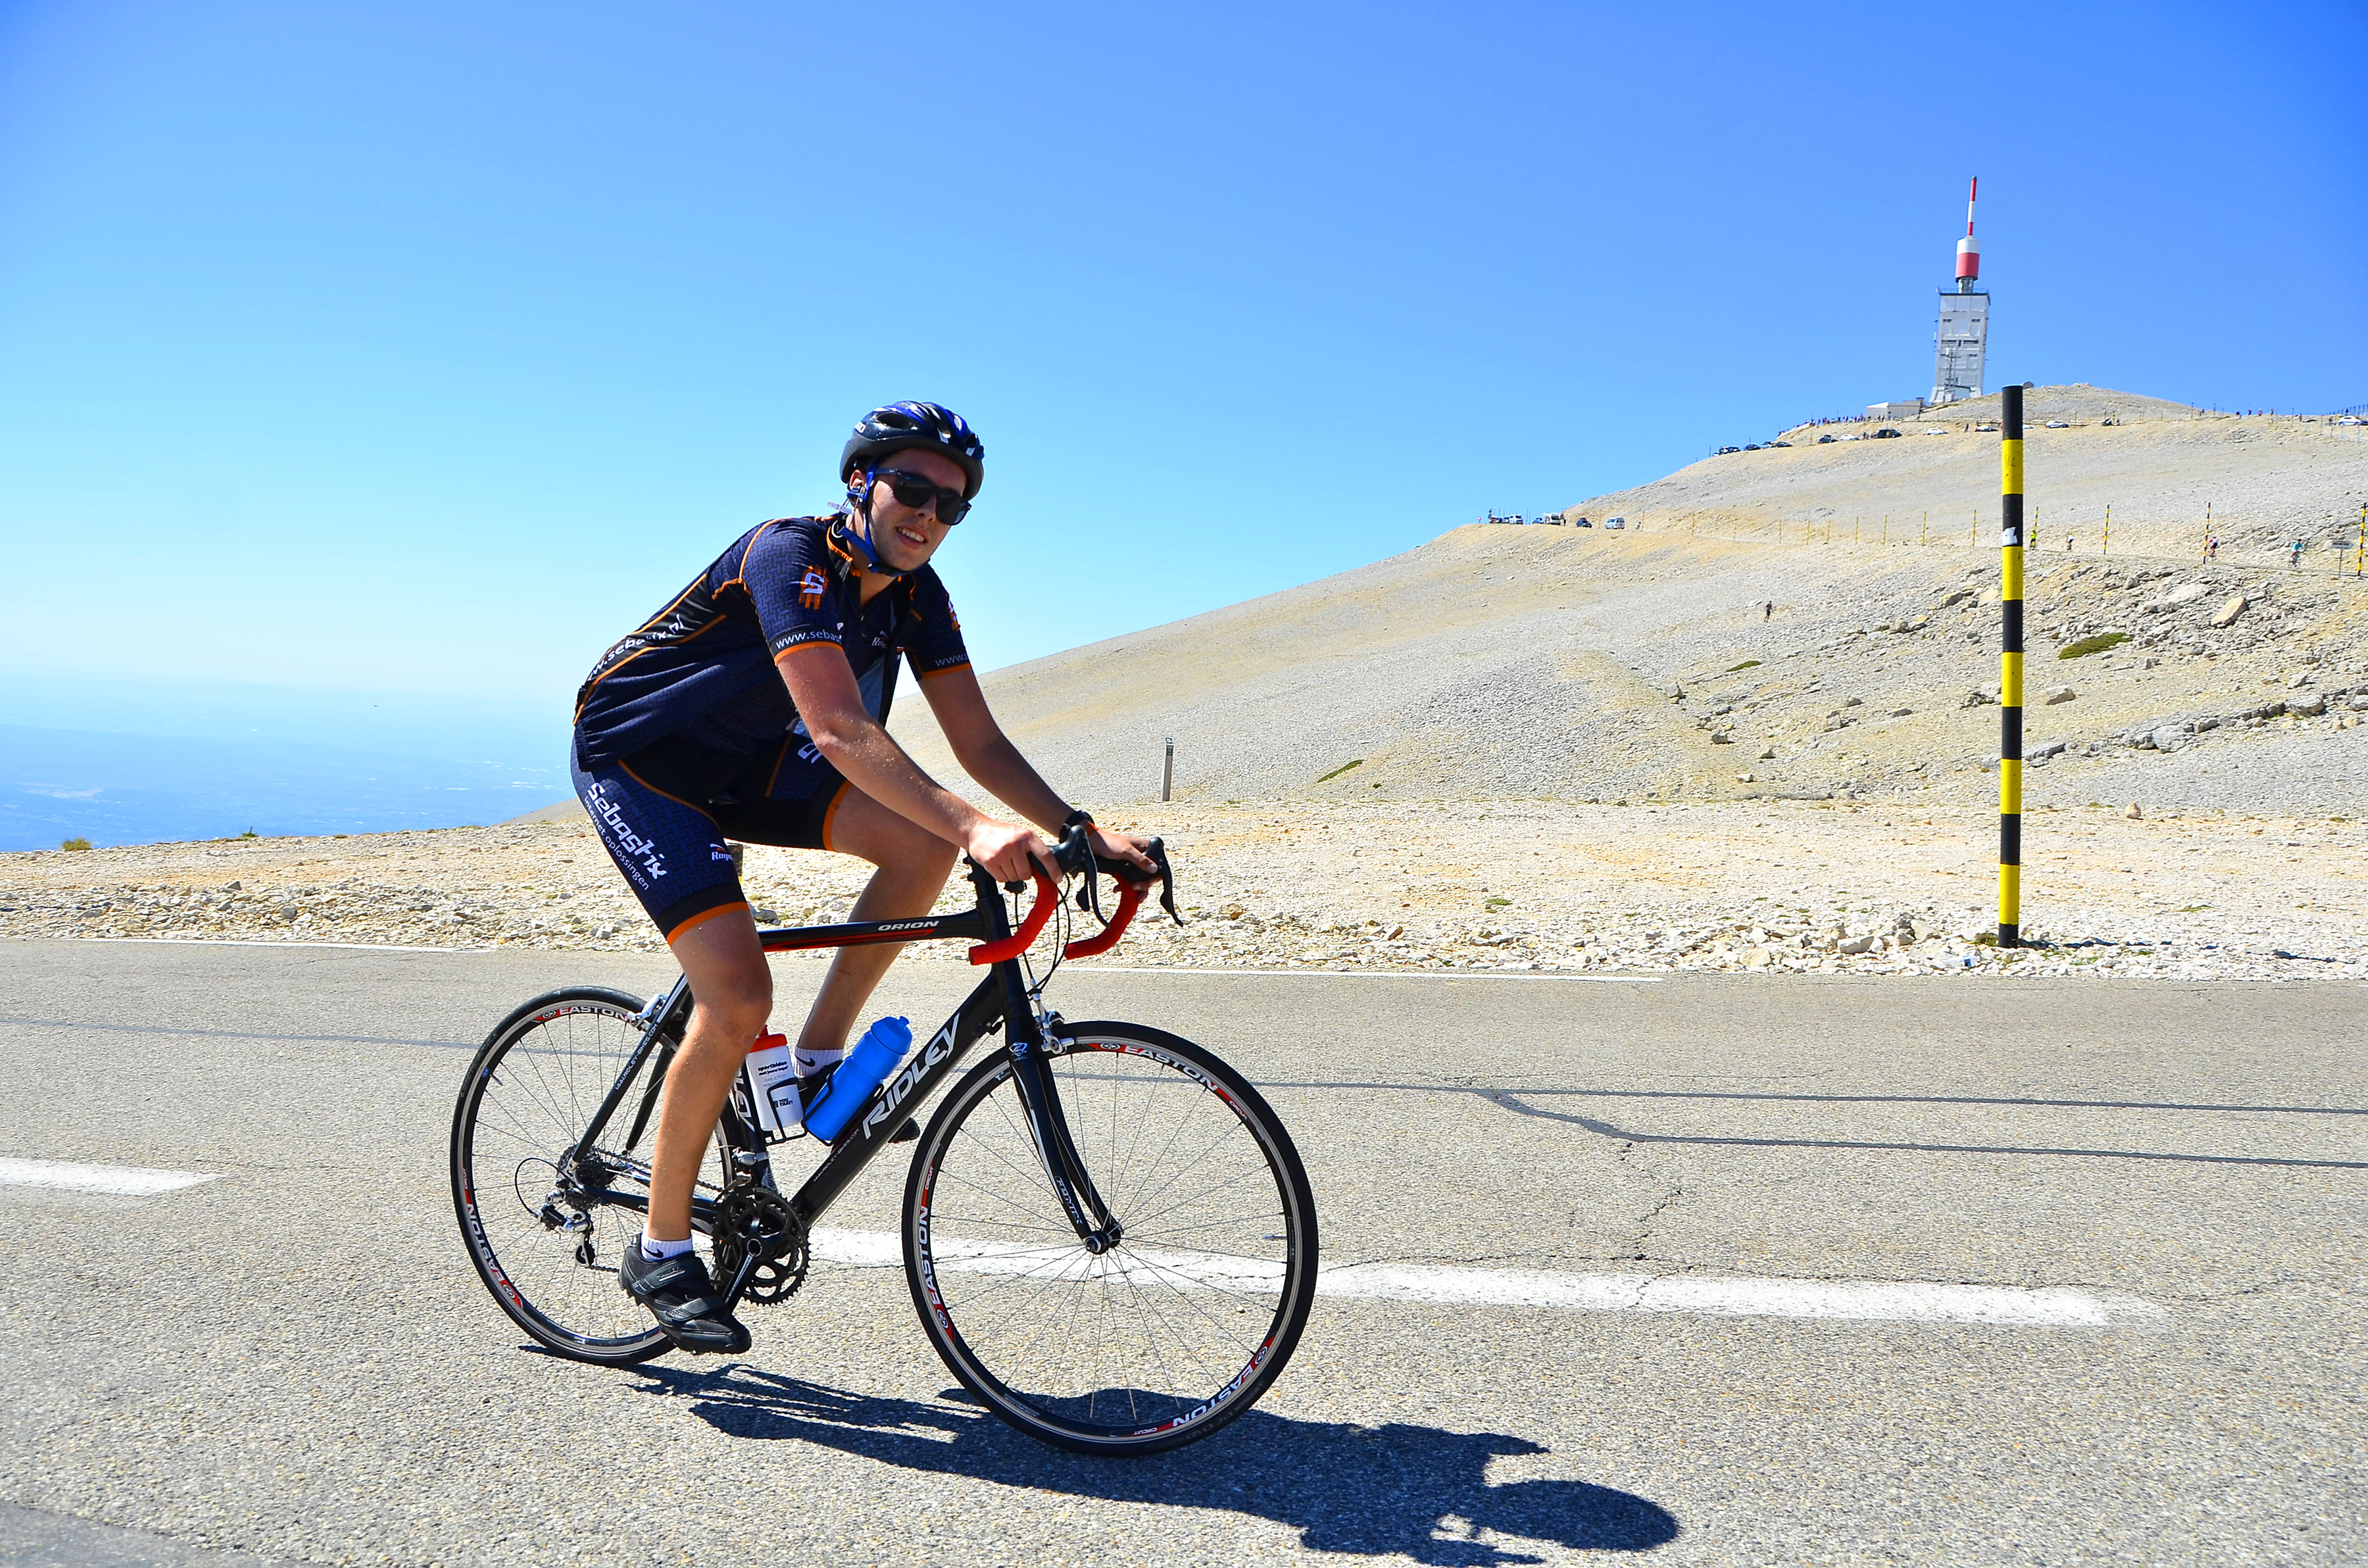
{"points": [[684, 1300]]}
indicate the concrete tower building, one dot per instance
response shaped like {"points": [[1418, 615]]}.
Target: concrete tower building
{"points": [[1963, 335]]}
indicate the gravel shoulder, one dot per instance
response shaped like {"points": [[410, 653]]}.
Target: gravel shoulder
{"points": [[1895, 885], [1755, 729]]}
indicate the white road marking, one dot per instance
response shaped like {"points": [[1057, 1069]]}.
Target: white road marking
{"points": [[255, 942], [122, 1181], [1865, 1300], [1374, 973]]}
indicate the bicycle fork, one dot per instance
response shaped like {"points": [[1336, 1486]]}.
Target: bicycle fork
{"points": [[1048, 1126]]}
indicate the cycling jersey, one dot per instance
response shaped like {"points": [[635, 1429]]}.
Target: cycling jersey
{"points": [[701, 670]]}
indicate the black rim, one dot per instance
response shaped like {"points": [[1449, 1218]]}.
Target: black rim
{"points": [[1175, 1330], [546, 1250]]}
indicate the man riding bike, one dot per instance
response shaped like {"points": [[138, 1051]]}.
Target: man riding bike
{"points": [[753, 707]]}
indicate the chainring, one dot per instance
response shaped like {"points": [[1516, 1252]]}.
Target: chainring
{"points": [[747, 1215]]}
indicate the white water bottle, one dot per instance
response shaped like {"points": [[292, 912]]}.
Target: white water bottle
{"points": [[770, 1080]]}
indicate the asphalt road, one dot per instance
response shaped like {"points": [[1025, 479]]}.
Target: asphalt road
{"points": [[294, 1360]]}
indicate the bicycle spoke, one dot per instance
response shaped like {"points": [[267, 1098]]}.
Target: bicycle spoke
{"points": [[1154, 1331], [526, 1104]]}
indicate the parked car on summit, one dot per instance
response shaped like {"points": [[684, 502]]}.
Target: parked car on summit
{"points": [[1824, 440], [1615, 522], [1725, 451], [1886, 434], [1581, 523]]}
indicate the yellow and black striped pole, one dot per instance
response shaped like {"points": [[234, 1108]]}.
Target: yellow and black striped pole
{"points": [[2009, 926]]}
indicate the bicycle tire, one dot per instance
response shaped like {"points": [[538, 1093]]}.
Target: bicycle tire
{"points": [[529, 1092], [1139, 1350]]}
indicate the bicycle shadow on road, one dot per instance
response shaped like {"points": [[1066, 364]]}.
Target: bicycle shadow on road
{"points": [[1417, 1491]]}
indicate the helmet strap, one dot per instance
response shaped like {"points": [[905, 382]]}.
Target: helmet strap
{"points": [[862, 539]]}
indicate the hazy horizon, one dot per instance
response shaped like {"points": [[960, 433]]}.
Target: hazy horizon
{"points": [[428, 350]]}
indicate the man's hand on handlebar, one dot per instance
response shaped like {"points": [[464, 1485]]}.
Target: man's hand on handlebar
{"points": [[1117, 850], [1010, 854]]}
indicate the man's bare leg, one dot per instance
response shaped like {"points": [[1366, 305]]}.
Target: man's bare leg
{"points": [[914, 864], [731, 995]]}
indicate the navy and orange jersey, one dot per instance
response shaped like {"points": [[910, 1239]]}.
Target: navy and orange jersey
{"points": [[702, 667]]}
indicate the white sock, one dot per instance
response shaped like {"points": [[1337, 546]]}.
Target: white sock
{"points": [[812, 1063], [655, 1251]]}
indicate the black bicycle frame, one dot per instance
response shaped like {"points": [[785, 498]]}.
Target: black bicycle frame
{"points": [[1000, 998]]}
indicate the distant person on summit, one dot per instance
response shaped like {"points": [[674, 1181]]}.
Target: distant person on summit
{"points": [[754, 705]]}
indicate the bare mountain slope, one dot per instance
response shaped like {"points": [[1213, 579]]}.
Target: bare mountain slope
{"points": [[2267, 480], [1540, 660]]}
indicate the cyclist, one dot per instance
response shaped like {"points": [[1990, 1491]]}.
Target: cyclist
{"points": [[753, 706]]}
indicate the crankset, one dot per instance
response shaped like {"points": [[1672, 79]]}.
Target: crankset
{"points": [[750, 1218]]}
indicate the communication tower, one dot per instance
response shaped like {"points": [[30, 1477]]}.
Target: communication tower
{"points": [[1963, 334]]}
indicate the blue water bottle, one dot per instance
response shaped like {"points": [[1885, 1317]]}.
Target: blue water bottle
{"points": [[874, 1057]]}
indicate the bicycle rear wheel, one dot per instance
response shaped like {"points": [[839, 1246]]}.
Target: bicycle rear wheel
{"points": [[523, 1189], [1174, 1331]]}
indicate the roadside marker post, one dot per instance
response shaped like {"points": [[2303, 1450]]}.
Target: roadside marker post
{"points": [[1167, 770], [2109, 528], [2009, 922]]}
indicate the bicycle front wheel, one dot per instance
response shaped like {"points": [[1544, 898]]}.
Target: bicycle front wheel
{"points": [[1177, 1329], [526, 1188]]}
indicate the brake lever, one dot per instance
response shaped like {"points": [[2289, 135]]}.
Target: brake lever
{"points": [[1157, 853], [1089, 896]]}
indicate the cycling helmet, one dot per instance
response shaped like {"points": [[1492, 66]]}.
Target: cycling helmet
{"points": [[901, 427]]}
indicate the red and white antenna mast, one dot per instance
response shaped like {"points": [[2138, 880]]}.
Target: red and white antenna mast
{"points": [[1960, 340], [1969, 249]]}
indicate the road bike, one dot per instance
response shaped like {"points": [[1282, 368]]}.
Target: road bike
{"points": [[1107, 1234]]}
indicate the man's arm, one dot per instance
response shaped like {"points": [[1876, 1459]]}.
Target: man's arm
{"points": [[988, 754], [823, 686]]}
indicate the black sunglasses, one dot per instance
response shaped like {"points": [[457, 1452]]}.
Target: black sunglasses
{"points": [[912, 490]]}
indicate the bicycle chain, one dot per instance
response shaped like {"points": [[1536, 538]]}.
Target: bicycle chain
{"points": [[747, 1210]]}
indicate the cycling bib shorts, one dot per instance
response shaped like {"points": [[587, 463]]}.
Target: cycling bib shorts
{"points": [[664, 813]]}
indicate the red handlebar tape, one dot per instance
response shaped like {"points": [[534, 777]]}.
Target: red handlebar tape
{"points": [[1018, 942], [1129, 896], [1130, 899]]}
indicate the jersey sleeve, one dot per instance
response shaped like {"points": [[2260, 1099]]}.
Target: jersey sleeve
{"points": [[937, 645], [788, 581]]}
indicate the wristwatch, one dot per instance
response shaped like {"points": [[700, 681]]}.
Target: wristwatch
{"points": [[1073, 818]]}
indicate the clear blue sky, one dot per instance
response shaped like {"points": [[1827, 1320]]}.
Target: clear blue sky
{"points": [[421, 349]]}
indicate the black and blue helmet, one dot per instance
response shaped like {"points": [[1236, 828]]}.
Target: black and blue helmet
{"points": [[903, 426]]}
